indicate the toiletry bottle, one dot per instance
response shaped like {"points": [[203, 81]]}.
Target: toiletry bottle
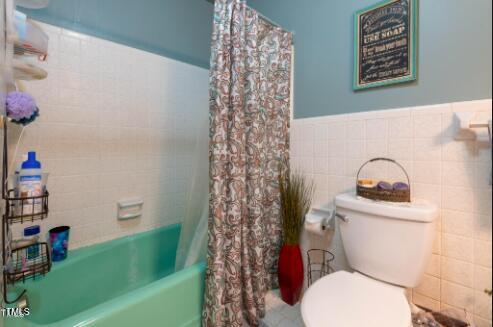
{"points": [[30, 184], [30, 248], [17, 173], [31, 235]]}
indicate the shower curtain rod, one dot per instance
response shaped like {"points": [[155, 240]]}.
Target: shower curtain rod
{"points": [[268, 20], [273, 23], [265, 18]]}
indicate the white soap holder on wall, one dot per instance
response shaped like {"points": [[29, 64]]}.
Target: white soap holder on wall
{"points": [[473, 126], [470, 125], [130, 208]]}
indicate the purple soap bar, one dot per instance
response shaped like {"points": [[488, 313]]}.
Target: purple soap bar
{"points": [[400, 186], [384, 186]]}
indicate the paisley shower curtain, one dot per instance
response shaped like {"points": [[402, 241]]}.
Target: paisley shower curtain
{"points": [[249, 145]]}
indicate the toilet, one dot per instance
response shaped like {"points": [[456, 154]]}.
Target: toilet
{"points": [[388, 246]]}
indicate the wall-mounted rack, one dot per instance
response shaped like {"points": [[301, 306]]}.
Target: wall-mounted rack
{"points": [[17, 266], [19, 269], [20, 37], [22, 210], [28, 38]]}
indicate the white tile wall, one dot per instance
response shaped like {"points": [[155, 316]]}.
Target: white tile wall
{"points": [[115, 122], [453, 174]]}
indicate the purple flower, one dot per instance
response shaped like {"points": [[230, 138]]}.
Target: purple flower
{"points": [[20, 106]]}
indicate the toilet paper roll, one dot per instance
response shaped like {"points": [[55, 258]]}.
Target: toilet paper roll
{"points": [[313, 222], [314, 228]]}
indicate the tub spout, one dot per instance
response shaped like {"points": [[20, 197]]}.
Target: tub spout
{"points": [[23, 302]]}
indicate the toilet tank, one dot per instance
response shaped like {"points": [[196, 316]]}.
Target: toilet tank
{"points": [[391, 242]]}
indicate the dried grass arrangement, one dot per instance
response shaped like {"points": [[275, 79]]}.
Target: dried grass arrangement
{"points": [[296, 198]]}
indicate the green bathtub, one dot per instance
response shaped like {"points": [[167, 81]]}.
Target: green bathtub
{"points": [[126, 282]]}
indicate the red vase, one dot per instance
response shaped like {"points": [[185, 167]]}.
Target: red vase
{"points": [[290, 273]]}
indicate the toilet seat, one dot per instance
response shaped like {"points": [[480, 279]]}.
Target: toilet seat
{"points": [[343, 299]]}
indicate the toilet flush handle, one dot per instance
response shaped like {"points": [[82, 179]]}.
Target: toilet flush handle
{"points": [[342, 217]]}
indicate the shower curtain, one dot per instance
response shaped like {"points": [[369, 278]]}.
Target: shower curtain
{"points": [[192, 245], [249, 145]]}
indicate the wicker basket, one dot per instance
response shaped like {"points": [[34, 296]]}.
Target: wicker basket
{"points": [[384, 195]]}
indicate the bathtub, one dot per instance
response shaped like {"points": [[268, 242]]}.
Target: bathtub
{"points": [[125, 282]]}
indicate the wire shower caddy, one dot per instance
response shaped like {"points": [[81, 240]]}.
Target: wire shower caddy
{"points": [[15, 267]]}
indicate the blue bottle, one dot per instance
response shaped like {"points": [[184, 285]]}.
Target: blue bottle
{"points": [[31, 184], [32, 233]]}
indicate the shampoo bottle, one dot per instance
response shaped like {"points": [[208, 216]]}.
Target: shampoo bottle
{"points": [[16, 175], [30, 184]]}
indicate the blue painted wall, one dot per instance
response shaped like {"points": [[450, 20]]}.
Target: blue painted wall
{"points": [[454, 45], [179, 29], [454, 54]]}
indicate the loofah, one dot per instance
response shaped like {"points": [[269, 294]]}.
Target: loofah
{"points": [[21, 108], [26, 121]]}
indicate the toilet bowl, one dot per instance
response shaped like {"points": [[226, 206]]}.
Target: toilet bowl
{"points": [[388, 246], [345, 299]]}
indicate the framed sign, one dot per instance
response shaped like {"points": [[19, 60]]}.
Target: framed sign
{"points": [[385, 44]]}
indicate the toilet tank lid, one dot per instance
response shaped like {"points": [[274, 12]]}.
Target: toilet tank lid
{"points": [[417, 210]]}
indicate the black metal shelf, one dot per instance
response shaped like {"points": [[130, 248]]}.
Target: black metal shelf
{"points": [[26, 209], [16, 266], [21, 268]]}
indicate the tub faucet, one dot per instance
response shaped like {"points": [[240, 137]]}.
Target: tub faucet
{"points": [[23, 302]]}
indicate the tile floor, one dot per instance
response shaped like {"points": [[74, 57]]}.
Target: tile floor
{"points": [[280, 314]]}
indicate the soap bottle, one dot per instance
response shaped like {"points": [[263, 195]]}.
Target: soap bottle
{"points": [[16, 176], [31, 234], [29, 245], [30, 184]]}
